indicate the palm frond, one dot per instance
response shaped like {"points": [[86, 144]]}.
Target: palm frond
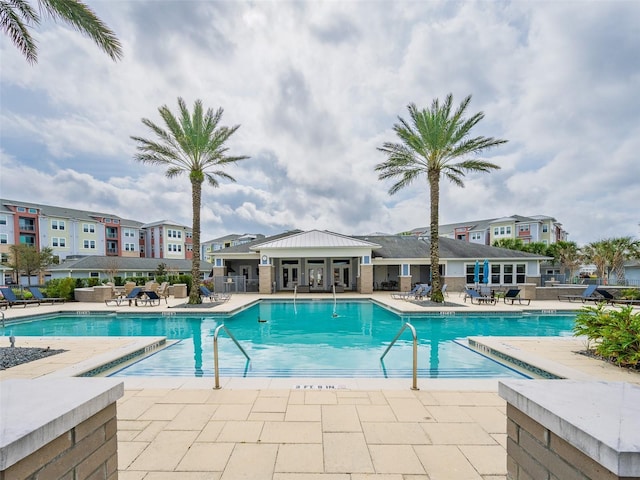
{"points": [[15, 17], [84, 20]]}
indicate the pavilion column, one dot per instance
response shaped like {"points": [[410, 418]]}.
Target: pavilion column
{"points": [[365, 280], [405, 283], [265, 278], [219, 271]]}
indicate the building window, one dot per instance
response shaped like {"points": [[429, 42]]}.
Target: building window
{"points": [[3, 219], [4, 238], [508, 229], [189, 248], [54, 224], [89, 228], [95, 274], [476, 236], [33, 210], [130, 247], [523, 228], [366, 260], [91, 244], [21, 209], [521, 275], [545, 228]]}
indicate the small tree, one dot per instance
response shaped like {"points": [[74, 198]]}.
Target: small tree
{"points": [[27, 260]]}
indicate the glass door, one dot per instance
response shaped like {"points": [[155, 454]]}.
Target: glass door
{"points": [[315, 275], [289, 274]]}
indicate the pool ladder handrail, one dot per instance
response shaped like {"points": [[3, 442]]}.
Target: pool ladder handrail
{"points": [[2, 313], [215, 352], [414, 385]]}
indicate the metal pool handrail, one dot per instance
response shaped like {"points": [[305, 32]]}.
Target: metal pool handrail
{"points": [[414, 386], [215, 351]]}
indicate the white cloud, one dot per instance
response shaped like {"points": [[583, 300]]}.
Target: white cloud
{"points": [[316, 87]]}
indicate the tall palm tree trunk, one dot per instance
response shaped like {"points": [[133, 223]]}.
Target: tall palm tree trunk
{"points": [[196, 199], [434, 187]]}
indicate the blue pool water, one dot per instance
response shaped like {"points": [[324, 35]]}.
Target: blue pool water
{"points": [[309, 339]]}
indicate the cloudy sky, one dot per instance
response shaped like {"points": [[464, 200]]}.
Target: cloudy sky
{"points": [[316, 87]]}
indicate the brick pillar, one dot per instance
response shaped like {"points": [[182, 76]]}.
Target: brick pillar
{"points": [[405, 283], [265, 278], [219, 271], [365, 281]]}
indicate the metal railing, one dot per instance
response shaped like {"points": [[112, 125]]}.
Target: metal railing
{"points": [[414, 385], [215, 352]]}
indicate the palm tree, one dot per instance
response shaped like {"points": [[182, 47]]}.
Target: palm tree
{"points": [[435, 142], [567, 255], [599, 254], [624, 248], [193, 144], [17, 16]]}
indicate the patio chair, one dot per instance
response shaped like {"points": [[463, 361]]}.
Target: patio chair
{"points": [[479, 299], [422, 292], [132, 296], [148, 298], [37, 294], [513, 295], [163, 291], [605, 296], [12, 300], [587, 294], [206, 293], [403, 295]]}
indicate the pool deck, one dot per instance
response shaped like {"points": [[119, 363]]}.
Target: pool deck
{"points": [[297, 428]]}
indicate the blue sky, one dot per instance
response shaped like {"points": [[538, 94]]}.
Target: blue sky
{"points": [[316, 87]]}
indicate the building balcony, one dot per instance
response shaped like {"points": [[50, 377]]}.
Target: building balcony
{"points": [[26, 228]]}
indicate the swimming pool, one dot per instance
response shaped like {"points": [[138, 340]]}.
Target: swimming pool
{"points": [[309, 339]]}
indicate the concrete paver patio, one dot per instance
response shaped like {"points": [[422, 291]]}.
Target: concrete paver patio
{"points": [[285, 429]]}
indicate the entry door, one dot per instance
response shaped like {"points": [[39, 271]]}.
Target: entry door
{"points": [[341, 276], [289, 276], [316, 278]]}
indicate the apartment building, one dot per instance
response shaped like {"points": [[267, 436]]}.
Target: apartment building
{"points": [[78, 233], [166, 239], [537, 228], [208, 248]]}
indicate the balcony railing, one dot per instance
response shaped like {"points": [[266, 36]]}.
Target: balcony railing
{"points": [[27, 228]]}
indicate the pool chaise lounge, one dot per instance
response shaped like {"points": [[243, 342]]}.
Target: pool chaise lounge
{"points": [[213, 296], [513, 295], [132, 296], [11, 299], [587, 294], [37, 294], [479, 299]]}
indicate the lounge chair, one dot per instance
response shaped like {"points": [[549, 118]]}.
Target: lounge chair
{"points": [[479, 299], [12, 300], [513, 295], [214, 297], [422, 292], [37, 294], [587, 294], [404, 295], [132, 296], [148, 298], [605, 296], [206, 293]]}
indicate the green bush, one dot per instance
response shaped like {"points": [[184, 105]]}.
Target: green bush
{"points": [[615, 333], [61, 288], [630, 294]]}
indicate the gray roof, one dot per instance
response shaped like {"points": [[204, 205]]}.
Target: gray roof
{"points": [[69, 213], [402, 246], [406, 246], [96, 262]]}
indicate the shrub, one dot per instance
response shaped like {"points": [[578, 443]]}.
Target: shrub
{"points": [[61, 287], [630, 294], [615, 333]]}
